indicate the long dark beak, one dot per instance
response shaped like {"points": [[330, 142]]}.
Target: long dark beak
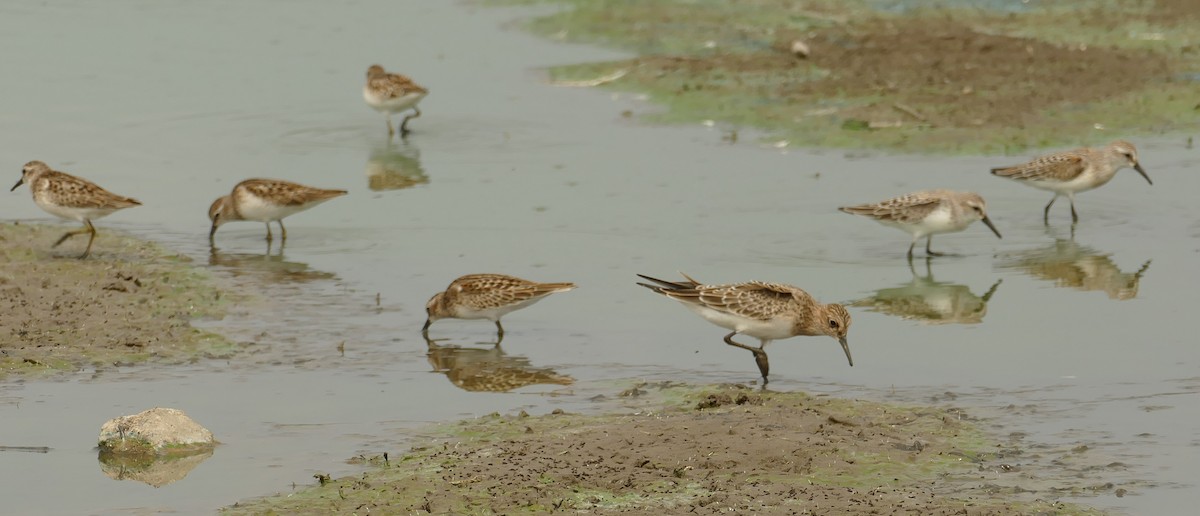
{"points": [[212, 232], [1136, 166], [846, 348], [990, 226], [425, 329], [22, 181]]}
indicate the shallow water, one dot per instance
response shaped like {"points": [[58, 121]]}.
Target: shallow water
{"points": [[175, 104]]}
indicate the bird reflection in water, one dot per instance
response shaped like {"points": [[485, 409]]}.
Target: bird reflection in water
{"points": [[269, 266], [1071, 265], [489, 369], [394, 168], [930, 301]]}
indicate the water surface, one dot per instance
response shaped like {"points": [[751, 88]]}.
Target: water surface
{"points": [[1082, 341]]}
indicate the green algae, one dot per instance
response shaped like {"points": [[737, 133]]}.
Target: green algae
{"points": [[728, 64], [130, 302], [498, 464]]}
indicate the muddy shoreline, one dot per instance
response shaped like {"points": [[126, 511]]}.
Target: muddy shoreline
{"points": [[694, 450], [131, 302], [944, 77]]}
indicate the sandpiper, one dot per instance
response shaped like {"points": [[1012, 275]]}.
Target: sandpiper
{"points": [[766, 311], [1077, 170], [927, 213], [73, 198], [392, 93], [266, 200], [487, 296]]}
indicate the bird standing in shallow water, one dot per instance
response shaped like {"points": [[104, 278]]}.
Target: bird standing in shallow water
{"points": [[73, 198], [927, 213], [486, 296], [392, 93], [266, 200], [765, 311], [1078, 170]]}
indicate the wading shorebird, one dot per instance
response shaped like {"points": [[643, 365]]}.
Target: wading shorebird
{"points": [[765, 311], [486, 296], [266, 200], [927, 213], [1078, 170], [72, 198], [392, 93]]}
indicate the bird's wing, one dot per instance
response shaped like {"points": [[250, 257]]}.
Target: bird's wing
{"points": [[1063, 166]]}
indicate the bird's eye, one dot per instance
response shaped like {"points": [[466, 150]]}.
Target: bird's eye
{"points": [[833, 324]]}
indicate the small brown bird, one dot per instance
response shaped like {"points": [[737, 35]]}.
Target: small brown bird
{"points": [[927, 213], [73, 198], [486, 296], [1077, 170], [266, 200], [392, 93], [765, 311]]}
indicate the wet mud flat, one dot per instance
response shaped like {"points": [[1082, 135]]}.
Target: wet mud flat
{"points": [[680, 449], [130, 302], [949, 76]]}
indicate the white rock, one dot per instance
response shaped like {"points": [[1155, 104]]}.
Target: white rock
{"points": [[158, 427]]}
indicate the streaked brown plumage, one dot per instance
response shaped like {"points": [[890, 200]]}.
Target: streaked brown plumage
{"points": [[73, 198], [392, 93], [487, 296], [266, 200], [1077, 170], [926, 213], [766, 311]]}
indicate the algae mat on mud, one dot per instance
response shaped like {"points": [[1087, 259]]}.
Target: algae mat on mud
{"points": [[952, 76], [711, 450], [131, 301]]}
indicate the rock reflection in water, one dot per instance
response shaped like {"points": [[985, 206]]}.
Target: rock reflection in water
{"points": [[1071, 265], [395, 168], [489, 369], [930, 301], [269, 266], [149, 469]]}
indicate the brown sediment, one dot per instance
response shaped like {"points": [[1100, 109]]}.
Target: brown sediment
{"points": [[132, 301], [712, 450]]}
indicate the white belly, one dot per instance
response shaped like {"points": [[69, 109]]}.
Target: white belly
{"points": [[250, 207], [77, 214], [773, 329], [493, 314], [394, 104], [938, 221], [1083, 182]]}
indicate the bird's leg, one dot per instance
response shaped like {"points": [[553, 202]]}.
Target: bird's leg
{"points": [[499, 332], [760, 355], [91, 239], [910, 249], [1074, 216], [70, 234], [282, 230], [1046, 212], [764, 366], [404, 124], [391, 132], [928, 251], [269, 237]]}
